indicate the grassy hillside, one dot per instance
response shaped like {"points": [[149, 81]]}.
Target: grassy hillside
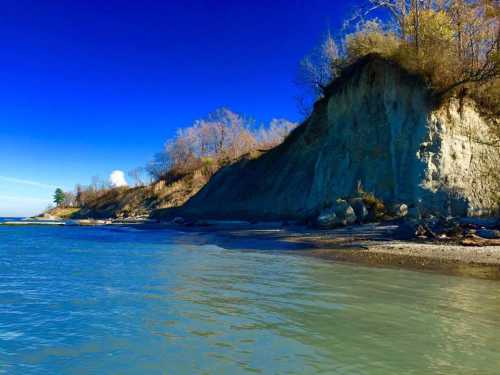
{"points": [[64, 212], [141, 201]]}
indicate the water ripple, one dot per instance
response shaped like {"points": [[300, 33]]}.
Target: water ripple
{"points": [[91, 300]]}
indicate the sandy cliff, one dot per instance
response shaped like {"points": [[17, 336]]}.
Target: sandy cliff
{"points": [[377, 127]]}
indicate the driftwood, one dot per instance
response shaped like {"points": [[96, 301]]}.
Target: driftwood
{"points": [[474, 240]]}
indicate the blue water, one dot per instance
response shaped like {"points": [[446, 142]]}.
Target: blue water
{"points": [[4, 219], [90, 300]]}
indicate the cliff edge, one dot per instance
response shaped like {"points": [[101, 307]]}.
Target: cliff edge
{"points": [[378, 128]]}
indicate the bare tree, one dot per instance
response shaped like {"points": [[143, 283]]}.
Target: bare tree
{"points": [[398, 10], [275, 133], [138, 176], [79, 198], [95, 184], [69, 199], [320, 67], [220, 138], [159, 166]]}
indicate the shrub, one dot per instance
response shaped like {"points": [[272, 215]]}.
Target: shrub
{"points": [[453, 44], [371, 38], [374, 205]]}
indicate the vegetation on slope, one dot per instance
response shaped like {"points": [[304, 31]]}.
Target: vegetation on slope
{"points": [[180, 170], [63, 212], [213, 142], [453, 44]]}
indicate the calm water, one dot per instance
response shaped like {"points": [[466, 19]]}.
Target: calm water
{"points": [[87, 300]]}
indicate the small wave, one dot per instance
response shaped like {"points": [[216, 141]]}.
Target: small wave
{"points": [[10, 335]]}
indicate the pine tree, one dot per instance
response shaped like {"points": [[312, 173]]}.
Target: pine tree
{"points": [[58, 196]]}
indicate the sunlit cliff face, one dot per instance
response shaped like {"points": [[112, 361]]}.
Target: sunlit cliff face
{"points": [[377, 128]]}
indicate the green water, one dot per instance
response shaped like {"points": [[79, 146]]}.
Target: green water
{"points": [[101, 301]]}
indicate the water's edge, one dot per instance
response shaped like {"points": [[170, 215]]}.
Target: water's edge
{"points": [[370, 245]]}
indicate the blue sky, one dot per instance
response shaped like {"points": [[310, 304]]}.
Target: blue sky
{"points": [[87, 87]]}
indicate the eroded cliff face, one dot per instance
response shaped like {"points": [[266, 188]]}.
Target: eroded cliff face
{"points": [[462, 164], [377, 129]]}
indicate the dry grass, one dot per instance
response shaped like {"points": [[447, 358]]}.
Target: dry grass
{"points": [[64, 212], [142, 200], [373, 204]]}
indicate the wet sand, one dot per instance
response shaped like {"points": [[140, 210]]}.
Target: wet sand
{"points": [[369, 244]]}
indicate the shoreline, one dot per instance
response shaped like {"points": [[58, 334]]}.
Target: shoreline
{"points": [[367, 244]]}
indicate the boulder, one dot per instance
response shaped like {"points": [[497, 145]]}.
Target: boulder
{"points": [[399, 210], [327, 218], [453, 230], [345, 213], [359, 208], [424, 231], [446, 227]]}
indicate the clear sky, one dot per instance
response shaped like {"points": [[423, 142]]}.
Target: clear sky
{"points": [[90, 86]]}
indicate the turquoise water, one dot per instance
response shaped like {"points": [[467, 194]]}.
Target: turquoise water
{"points": [[83, 300]]}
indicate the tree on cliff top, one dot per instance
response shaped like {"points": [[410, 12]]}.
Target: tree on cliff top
{"points": [[453, 44], [316, 71], [59, 197], [216, 140]]}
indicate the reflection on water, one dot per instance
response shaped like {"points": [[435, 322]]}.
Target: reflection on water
{"points": [[94, 300]]}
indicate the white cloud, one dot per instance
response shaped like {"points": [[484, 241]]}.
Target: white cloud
{"points": [[117, 179], [27, 182]]}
